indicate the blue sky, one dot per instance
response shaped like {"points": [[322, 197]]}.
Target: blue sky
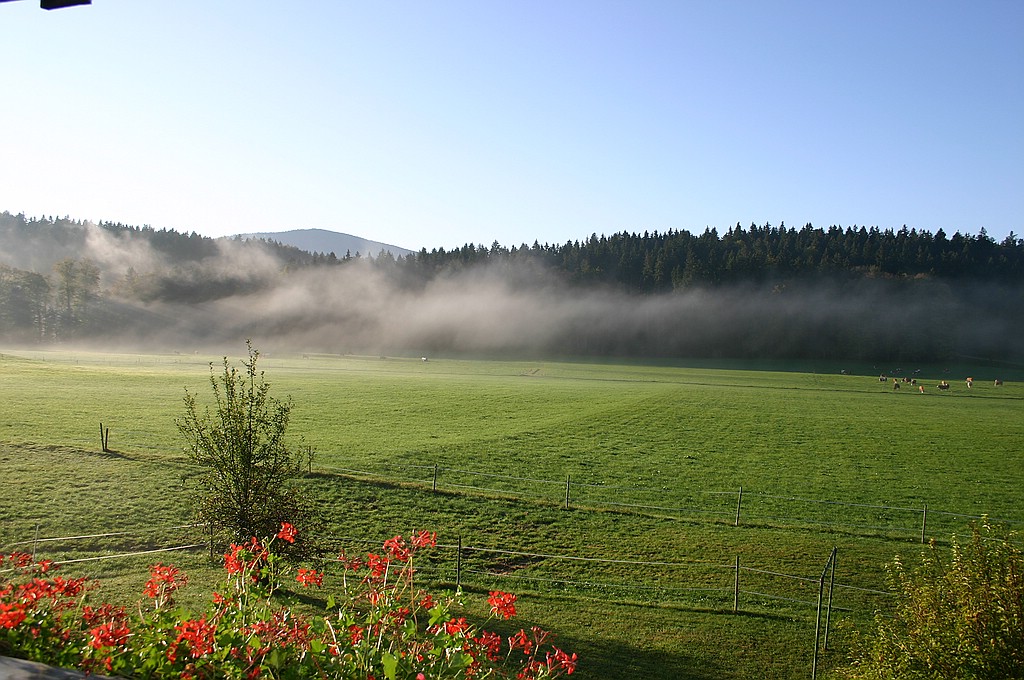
{"points": [[440, 123]]}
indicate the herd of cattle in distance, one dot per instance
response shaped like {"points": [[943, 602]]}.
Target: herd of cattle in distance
{"points": [[943, 384]]}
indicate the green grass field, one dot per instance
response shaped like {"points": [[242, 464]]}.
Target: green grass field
{"points": [[653, 457]]}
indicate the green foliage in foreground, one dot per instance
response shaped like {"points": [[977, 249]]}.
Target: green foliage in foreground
{"points": [[959, 617], [380, 624], [246, 486], [653, 436]]}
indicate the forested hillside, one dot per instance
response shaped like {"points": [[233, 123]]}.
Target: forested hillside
{"points": [[761, 291], [656, 262]]}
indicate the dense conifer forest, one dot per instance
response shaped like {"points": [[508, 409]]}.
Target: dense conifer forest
{"points": [[764, 291]]}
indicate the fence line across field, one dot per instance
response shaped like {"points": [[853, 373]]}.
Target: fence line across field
{"points": [[50, 539], [737, 513], [741, 511], [139, 438], [132, 554], [466, 550]]}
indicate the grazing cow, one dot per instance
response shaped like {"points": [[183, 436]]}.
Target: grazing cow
{"points": [[999, 382], [943, 385], [920, 388], [882, 378], [895, 384], [970, 381]]}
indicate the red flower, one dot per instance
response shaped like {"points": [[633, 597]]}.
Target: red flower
{"points": [[491, 643], [456, 626], [377, 565], [502, 604], [354, 564], [423, 539], [20, 559], [563, 660], [310, 577], [521, 641], [356, 632], [247, 556], [110, 634], [232, 564], [399, 615], [397, 548], [11, 615], [287, 532], [198, 634], [163, 581]]}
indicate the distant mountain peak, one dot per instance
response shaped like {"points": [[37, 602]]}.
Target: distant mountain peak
{"points": [[325, 241]]}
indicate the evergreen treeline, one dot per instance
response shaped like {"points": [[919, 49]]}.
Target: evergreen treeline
{"points": [[854, 293], [659, 262]]}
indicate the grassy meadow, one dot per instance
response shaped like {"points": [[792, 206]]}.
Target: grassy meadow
{"points": [[636, 572]]}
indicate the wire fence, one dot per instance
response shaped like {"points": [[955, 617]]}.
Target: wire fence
{"points": [[736, 507], [719, 584], [741, 506], [724, 585]]}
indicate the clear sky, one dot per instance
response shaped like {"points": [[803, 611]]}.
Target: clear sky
{"points": [[435, 123]]}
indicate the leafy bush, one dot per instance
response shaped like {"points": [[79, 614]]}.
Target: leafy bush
{"points": [[244, 486], [379, 625], [958, 617]]}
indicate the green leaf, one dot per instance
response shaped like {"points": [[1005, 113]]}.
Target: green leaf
{"points": [[390, 663]]}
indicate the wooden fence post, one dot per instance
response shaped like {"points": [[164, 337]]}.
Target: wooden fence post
{"points": [[211, 541], [924, 522], [817, 621], [739, 502], [567, 492], [104, 438], [736, 587], [434, 485], [458, 564], [831, 586]]}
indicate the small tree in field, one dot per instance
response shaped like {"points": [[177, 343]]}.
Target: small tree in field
{"points": [[244, 487], [959, 617]]}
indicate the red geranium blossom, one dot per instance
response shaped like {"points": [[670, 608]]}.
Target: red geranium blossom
{"points": [[502, 604], [110, 634], [287, 532], [11, 615], [310, 577], [198, 634]]}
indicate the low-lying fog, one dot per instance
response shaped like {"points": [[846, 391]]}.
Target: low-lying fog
{"points": [[361, 307]]}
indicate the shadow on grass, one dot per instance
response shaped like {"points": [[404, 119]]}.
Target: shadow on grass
{"points": [[606, 658], [601, 655]]}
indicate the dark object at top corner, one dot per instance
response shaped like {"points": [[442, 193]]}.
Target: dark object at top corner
{"points": [[57, 4]]}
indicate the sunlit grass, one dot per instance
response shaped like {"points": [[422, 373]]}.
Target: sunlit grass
{"points": [[656, 436]]}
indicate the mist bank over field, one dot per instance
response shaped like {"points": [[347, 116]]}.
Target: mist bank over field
{"points": [[129, 288], [359, 309]]}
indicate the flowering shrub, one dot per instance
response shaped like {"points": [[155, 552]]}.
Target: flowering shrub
{"points": [[378, 625]]}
